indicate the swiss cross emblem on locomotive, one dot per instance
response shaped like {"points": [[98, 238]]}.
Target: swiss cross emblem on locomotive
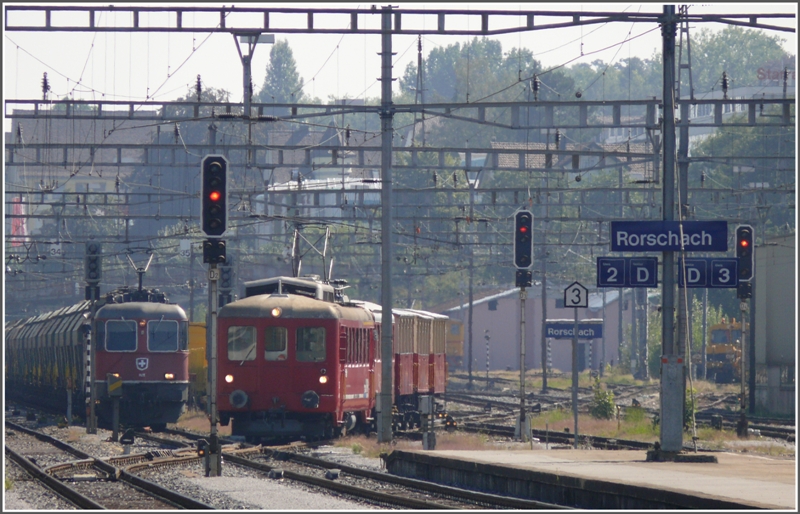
{"points": [[141, 363]]}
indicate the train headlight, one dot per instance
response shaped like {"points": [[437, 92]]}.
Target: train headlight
{"points": [[169, 376], [142, 323], [276, 312], [115, 375], [323, 379], [229, 379]]}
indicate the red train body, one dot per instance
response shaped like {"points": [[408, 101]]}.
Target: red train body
{"points": [[297, 359], [140, 338]]}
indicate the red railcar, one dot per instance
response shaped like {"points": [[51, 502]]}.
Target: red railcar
{"points": [[141, 340], [437, 357], [297, 359]]}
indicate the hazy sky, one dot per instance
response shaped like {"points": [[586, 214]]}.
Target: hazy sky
{"points": [[125, 66]]}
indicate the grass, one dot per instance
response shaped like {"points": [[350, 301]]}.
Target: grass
{"points": [[8, 483], [637, 426], [370, 447], [197, 421], [191, 414]]}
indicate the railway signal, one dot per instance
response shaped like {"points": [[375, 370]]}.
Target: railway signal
{"points": [[214, 195], [744, 251], [523, 239], [225, 282], [225, 279], [93, 265], [213, 251]]}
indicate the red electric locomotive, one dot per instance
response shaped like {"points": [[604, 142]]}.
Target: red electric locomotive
{"points": [[141, 339], [296, 358]]}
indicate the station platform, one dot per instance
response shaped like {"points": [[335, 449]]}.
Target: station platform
{"points": [[609, 479]]}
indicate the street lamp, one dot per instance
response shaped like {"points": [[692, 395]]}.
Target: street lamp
{"points": [[473, 181]]}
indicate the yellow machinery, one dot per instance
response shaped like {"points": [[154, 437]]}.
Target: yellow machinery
{"points": [[198, 365], [454, 344], [724, 352]]}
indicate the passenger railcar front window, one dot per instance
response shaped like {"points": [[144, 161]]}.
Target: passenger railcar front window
{"points": [[162, 335], [120, 335], [310, 344], [241, 343], [275, 344]]}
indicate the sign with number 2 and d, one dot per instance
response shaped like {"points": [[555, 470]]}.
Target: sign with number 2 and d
{"points": [[627, 271], [575, 295]]}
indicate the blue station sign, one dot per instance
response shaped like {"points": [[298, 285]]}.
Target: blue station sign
{"points": [[660, 236], [627, 271], [708, 273], [563, 328]]}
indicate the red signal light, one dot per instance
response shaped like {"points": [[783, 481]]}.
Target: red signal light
{"points": [[523, 229], [744, 243], [214, 196]]}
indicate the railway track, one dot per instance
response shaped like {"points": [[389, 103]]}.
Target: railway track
{"points": [[380, 488], [559, 438], [766, 427], [498, 405], [86, 481], [288, 462]]}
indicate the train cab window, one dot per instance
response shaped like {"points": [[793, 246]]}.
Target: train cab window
{"points": [[310, 344], [736, 335], [120, 336], [275, 344], [162, 335], [241, 343], [719, 336]]}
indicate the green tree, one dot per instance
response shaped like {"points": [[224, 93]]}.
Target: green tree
{"points": [[757, 146], [282, 84], [481, 71], [735, 50], [626, 79]]}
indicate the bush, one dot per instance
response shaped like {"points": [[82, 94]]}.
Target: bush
{"points": [[602, 406], [634, 414]]}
